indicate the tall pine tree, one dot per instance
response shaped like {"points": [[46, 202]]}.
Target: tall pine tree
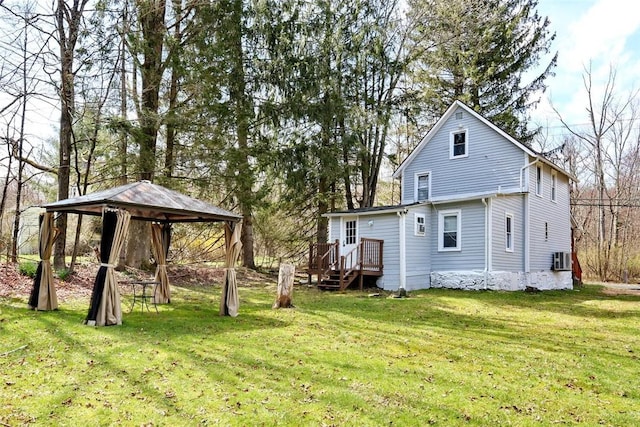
{"points": [[481, 52]]}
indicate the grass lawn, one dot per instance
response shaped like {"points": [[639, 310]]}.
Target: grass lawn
{"points": [[440, 357]]}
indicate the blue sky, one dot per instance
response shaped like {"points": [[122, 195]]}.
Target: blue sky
{"points": [[600, 33]]}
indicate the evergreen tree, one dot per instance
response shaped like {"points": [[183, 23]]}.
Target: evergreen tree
{"points": [[480, 53]]}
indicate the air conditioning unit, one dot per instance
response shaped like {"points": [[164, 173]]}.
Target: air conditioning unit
{"points": [[562, 261]]}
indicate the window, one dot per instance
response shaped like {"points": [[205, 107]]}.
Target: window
{"points": [[420, 229], [422, 187], [458, 144], [449, 231], [539, 180], [554, 180], [350, 231], [546, 231], [508, 227]]}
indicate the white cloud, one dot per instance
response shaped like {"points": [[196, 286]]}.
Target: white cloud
{"points": [[597, 34]]}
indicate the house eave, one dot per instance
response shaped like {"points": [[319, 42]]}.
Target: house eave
{"points": [[379, 210], [466, 197]]}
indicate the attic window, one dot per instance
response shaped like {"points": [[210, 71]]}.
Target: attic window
{"points": [[458, 144], [459, 115]]}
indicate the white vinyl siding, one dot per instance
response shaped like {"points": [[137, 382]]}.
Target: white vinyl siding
{"points": [[502, 259], [471, 255], [550, 224]]}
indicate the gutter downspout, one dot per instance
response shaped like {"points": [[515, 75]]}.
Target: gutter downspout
{"points": [[486, 242], [527, 226]]}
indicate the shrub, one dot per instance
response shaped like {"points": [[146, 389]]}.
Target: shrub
{"points": [[28, 269], [64, 274]]}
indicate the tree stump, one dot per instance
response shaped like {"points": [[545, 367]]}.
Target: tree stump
{"points": [[285, 286]]}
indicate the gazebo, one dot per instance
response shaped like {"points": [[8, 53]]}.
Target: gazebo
{"points": [[142, 201]]}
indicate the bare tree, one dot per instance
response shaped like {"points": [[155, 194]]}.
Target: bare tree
{"points": [[606, 145]]}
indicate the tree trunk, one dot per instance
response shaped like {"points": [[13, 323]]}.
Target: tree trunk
{"points": [[138, 245], [152, 22], [243, 110], [285, 286], [68, 36]]}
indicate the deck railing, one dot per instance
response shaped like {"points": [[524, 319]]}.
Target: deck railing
{"points": [[325, 259]]}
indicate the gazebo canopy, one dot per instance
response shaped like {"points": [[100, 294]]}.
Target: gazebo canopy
{"points": [[117, 206], [145, 201]]}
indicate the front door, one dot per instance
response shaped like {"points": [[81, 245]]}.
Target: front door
{"points": [[349, 240]]}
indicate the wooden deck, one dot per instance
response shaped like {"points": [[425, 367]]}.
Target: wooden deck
{"points": [[338, 272]]}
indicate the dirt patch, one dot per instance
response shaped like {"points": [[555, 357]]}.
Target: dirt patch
{"points": [[620, 289]]}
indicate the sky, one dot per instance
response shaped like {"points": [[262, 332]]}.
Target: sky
{"points": [[596, 33], [601, 34]]}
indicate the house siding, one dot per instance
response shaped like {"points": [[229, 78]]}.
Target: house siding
{"points": [[334, 229], [501, 259], [493, 161], [472, 253], [495, 177], [385, 227], [542, 210], [418, 255]]}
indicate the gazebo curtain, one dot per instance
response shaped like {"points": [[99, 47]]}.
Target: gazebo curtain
{"points": [[229, 302], [161, 238], [105, 306], [43, 295]]}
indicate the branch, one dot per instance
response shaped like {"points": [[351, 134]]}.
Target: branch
{"points": [[6, 353], [38, 166]]}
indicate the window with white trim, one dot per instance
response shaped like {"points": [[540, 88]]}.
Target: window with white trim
{"points": [[449, 230], [539, 180], [508, 232], [458, 144], [420, 225], [554, 183], [423, 182]]}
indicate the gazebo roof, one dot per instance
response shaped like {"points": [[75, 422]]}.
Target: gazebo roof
{"points": [[145, 201]]}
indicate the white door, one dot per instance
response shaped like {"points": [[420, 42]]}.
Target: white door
{"points": [[349, 240]]}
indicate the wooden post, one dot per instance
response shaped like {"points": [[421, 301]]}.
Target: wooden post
{"points": [[285, 286]]}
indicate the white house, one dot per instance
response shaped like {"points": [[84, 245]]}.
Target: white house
{"points": [[479, 210]]}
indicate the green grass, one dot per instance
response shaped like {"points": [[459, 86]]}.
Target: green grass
{"points": [[440, 357]]}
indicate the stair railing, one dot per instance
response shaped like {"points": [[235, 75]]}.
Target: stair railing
{"points": [[345, 272]]}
